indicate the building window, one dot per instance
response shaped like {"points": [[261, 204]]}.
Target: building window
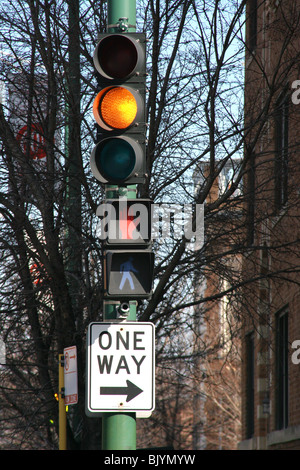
{"points": [[252, 40], [249, 385], [282, 370], [281, 152]]}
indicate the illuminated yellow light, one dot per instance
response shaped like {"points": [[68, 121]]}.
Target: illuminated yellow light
{"points": [[118, 108]]}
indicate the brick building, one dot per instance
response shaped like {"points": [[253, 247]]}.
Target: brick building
{"points": [[216, 404], [271, 330]]}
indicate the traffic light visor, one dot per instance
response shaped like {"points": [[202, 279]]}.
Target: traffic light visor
{"points": [[116, 159], [117, 108], [118, 56]]}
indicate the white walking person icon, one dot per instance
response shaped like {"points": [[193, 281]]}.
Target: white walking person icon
{"points": [[126, 269]]}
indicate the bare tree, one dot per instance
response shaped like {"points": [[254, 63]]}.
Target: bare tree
{"points": [[51, 279]]}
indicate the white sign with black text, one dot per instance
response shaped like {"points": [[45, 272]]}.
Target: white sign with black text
{"points": [[120, 368]]}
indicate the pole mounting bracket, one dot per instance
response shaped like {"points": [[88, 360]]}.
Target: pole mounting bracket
{"points": [[122, 25]]}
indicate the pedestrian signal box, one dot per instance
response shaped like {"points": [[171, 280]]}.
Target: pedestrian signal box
{"points": [[125, 222], [128, 274]]}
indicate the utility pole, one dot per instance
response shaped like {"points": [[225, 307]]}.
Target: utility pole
{"points": [[116, 10], [61, 405], [118, 161], [119, 429]]}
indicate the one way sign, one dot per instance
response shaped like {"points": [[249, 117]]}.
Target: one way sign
{"points": [[120, 368]]}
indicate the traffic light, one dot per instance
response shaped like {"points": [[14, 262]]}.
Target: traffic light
{"points": [[119, 109], [119, 158], [127, 256], [126, 222]]}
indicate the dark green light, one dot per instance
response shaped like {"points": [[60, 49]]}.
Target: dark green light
{"points": [[115, 159]]}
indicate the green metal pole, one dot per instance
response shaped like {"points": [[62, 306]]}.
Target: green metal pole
{"points": [[119, 429]]}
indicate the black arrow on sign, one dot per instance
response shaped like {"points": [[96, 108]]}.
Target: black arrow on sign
{"points": [[131, 390]]}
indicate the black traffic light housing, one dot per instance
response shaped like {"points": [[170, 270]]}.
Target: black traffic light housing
{"points": [[128, 260], [119, 109]]}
